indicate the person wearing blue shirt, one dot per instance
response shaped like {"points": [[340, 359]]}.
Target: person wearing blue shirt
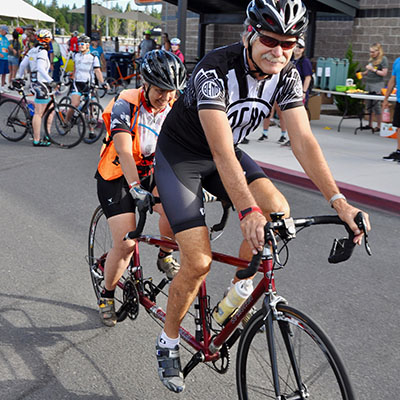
{"points": [[97, 51], [4, 44], [394, 81]]}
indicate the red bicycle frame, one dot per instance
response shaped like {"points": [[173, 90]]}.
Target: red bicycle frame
{"points": [[208, 347]]}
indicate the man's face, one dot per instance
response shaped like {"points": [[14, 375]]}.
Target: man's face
{"points": [[271, 51]]}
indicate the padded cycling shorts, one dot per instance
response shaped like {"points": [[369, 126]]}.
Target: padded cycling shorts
{"points": [[114, 195], [180, 176]]}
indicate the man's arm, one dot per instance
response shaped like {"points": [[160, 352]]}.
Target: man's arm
{"points": [[309, 154], [219, 137]]}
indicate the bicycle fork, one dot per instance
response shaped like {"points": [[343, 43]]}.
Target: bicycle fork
{"points": [[273, 315]]}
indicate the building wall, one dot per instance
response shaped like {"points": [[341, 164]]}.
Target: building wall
{"points": [[378, 21]]}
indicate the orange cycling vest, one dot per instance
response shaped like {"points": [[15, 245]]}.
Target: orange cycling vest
{"points": [[109, 166]]}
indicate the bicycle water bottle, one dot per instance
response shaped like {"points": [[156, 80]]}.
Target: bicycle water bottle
{"points": [[236, 296], [31, 109], [386, 115]]}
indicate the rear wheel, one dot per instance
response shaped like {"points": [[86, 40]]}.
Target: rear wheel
{"points": [[14, 120], [299, 344], [94, 122], [100, 242], [64, 126]]}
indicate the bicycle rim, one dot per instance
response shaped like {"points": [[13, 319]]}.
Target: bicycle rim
{"points": [[100, 242], [59, 131], [94, 122], [323, 376], [14, 119]]}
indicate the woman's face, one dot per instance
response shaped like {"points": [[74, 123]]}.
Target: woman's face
{"points": [[373, 52], [159, 98]]}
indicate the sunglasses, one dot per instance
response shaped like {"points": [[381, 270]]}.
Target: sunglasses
{"points": [[82, 44], [271, 42]]}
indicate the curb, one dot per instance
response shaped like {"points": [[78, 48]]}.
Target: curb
{"points": [[373, 198]]}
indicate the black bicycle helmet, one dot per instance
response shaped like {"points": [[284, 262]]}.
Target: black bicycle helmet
{"points": [[284, 17], [163, 69]]}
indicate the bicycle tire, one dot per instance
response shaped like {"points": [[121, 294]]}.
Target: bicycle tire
{"points": [[101, 92], [100, 241], [65, 100], [113, 84], [65, 134], [94, 122], [322, 371], [14, 117]]}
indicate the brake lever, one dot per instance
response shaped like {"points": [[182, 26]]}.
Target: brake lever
{"points": [[361, 224]]}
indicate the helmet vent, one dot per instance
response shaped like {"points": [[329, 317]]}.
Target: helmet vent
{"points": [[269, 20]]}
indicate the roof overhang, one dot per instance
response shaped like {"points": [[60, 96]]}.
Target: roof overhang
{"points": [[233, 11]]}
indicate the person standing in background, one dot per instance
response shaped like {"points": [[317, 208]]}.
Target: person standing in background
{"points": [[303, 65], [4, 45], [165, 42], [56, 60], [394, 81], [375, 71], [97, 51], [14, 52], [147, 44], [175, 43]]}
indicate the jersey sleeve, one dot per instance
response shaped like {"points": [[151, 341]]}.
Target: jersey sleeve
{"points": [[121, 115], [96, 62], [290, 93], [209, 90]]}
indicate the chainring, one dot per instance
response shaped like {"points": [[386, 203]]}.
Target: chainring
{"points": [[131, 299], [222, 364]]}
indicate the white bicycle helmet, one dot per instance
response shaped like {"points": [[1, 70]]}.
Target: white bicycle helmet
{"points": [[284, 17], [43, 36], [175, 41]]}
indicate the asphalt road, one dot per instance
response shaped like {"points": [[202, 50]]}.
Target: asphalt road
{"points": [[52, 345]]}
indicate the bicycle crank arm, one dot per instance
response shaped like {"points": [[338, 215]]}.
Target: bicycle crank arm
{"points": [[196, 359]]}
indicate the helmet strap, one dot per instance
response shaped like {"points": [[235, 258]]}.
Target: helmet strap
{"points": [[146, 96], [257, 70]]}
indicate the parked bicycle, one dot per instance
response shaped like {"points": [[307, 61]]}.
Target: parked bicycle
{"points": [[122, 82], [92, 111], [16, 120], [282, 353]]}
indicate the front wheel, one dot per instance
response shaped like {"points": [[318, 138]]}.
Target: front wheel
{"points": [[14, 120], [94, 122], [100, 242], [64, 125], [300, 345]]}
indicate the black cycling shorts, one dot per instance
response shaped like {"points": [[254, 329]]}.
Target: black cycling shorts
{"points": [[180, 176], [396, 116], [114, 195]]}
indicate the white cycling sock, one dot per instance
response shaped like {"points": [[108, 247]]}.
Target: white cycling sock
{"points": [[284, 133], [167, 342]]}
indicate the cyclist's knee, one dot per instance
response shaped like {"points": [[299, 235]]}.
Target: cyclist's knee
{"points": [[277, 203], [124, 249], [196, 266]]}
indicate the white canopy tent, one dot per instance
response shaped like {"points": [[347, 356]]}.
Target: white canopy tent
{"points": [[19, 9]]}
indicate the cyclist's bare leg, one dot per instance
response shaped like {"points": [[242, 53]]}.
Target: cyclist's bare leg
{"points": [[37, 120], [195, 253], [118, 257], [75, 100], [269, 199], [163, 223]]}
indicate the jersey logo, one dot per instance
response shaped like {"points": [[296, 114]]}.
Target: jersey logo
{"points": [[211, 90]]}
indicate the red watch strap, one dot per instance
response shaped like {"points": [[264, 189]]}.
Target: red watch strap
{"points": [[249, 210]]}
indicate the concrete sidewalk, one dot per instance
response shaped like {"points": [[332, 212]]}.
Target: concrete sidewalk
{"points": [[355, 161]]}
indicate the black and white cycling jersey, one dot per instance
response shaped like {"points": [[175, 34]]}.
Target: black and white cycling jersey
{"points": [[222, 81]]}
